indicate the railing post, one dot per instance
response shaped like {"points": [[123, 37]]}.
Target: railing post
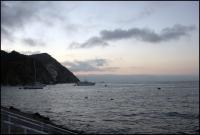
{"points": [[42, 127], [25, 131], [9, 124]]}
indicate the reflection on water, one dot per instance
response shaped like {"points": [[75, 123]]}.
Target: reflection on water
{"points": [[117, 108]]}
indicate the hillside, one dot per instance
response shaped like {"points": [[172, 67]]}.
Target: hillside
{"points": [[18, 69], [58, 72]]}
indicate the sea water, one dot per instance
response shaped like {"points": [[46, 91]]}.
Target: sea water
{"points": [[117, 108]]}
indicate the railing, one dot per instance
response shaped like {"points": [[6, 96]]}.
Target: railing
{"points": [[12, 123]]}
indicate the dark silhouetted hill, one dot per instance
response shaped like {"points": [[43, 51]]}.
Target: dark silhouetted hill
{"points": [[58, 72], [18, 69]]}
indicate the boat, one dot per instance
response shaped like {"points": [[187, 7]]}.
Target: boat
{"points": [[35, 84], [85, 83]]}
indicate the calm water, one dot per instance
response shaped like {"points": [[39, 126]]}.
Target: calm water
{"points": [[118, 108]]}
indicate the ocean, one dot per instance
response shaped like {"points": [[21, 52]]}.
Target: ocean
{"points": [[119, 108]]}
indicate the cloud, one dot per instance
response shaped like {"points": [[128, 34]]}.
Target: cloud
{"points": [[32, 42], [5, 34], [141, 34], [175, 32], [89, 65], [148, 35], [15, 15], [170, 33], [29, 52], [92, 42], [148, 11]]}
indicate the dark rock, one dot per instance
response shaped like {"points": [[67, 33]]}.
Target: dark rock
{"points": [[14, 109], [37, 115]]}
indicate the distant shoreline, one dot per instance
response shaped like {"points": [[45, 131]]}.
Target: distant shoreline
{"points": [[128, 82]]}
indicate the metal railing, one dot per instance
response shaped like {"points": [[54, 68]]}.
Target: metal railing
{"points": [[12, 122]]}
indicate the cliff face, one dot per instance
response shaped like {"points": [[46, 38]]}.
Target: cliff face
{"points": [[58, 72], [18, 69]]}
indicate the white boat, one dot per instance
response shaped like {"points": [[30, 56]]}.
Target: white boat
{"points": [[35, 85], [85, 83]]}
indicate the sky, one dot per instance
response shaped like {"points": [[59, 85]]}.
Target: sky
{"points": [[109, 37]]}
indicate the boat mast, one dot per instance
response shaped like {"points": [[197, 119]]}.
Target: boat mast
{"points": [[34, 70]]}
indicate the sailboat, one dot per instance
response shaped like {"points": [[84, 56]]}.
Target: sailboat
{"points": [[84, 83], [35, 85]]}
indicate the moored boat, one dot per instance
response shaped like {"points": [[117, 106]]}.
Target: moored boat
{"points": [[85, 83], [36, 85]]}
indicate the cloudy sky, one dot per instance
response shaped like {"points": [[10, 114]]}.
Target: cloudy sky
{"points": [[149, 38]]}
